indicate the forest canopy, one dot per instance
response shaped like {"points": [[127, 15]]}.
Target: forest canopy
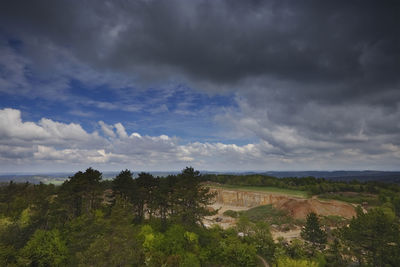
{"points": [[158, 221]]}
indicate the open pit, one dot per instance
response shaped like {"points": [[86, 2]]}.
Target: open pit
{"points": [[297, 207]]}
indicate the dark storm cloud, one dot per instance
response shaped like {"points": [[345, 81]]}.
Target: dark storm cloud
{"points": [[356, 42], [307, 74]]}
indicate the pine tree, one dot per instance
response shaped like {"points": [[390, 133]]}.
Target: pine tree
{"points": [[313, 233]]}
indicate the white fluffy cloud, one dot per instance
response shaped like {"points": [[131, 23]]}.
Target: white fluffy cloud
{"points": [[48, 142], [13, 131], [60, 146]]}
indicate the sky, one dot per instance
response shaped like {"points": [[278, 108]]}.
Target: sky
{"points": [[218, 85]]}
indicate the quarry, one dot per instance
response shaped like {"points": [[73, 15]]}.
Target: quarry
{"points": [[296, 207]]}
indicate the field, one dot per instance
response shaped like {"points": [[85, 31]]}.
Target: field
{"points": [[273, 190], [352, 197]]}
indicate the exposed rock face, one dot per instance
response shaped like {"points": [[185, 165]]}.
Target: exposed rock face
{"points": [[297, 207]]}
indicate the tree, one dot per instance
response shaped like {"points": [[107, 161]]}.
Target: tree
{"points": [[296, 249], [123, 187], [162, 198], [262, 239], [236, 253], [313, 233], [82, 192], [119, 247], [175, 247], [82, 231], [288, 262], [373, 238], [123, 184], [142, 196], [191, 198], [45, 248], [334, 254]]}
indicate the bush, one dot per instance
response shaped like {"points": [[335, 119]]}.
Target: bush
{"points": [[288, 262], [231, 213]]}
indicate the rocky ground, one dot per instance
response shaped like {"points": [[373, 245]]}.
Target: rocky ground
{"points": [[298, 208]]}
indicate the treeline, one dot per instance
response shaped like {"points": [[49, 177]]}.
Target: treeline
{"points": [[178, 197], [310, 184]]}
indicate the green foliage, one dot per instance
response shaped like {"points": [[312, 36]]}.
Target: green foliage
{"points": [[267, 213], [258, 235], [82, 231], [16, 197], [262, 239], [303, 185], [45, 248], [288, 262], [396, 203], [174, 247], [333, 221], [143, 195], [25, 217], [313, 233], [118, 247], [8, 255], [4, 223], [123, 184], [181, 197], [231, 213], [190, 198], [334, 255], [81, 193], [153, 221], [296, 250], [190, 260], [373, 238], [352, 197], [236, 253]]}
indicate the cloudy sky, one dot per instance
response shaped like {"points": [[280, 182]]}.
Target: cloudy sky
{"points": [[218, 85]]}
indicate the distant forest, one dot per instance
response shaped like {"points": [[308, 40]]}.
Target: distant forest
{"points": [[345, 176]]}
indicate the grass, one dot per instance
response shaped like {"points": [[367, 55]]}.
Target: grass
{"points": [[352, 197], [265, 213], [266, 189], [231, 213]]}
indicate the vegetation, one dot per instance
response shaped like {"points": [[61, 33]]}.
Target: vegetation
{"points": [[353, 197], [265, 213], [308, 184], [373, 238], [231, 213], [372, 193], [285, 262], [154, 221], [313, 233]]}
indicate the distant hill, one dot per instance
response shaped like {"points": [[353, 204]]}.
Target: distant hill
{"points": [[59, 178], [382, 176]]}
